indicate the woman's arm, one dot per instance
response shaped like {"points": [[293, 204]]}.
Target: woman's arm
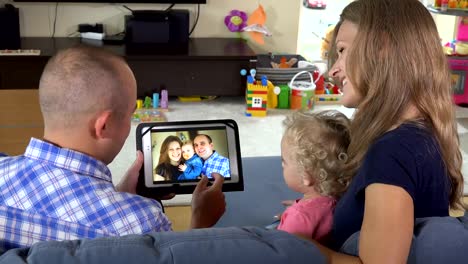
{"points": [[387, 228]]}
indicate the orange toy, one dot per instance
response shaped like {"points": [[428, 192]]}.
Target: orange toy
{"points": [[258, 17]]}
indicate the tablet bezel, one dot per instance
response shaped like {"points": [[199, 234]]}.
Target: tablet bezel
{"points": [[147, 187]]}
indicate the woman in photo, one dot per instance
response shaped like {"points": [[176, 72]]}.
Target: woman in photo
{"points": [[169, 160]]}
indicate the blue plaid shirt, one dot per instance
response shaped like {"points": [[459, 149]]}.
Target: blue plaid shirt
{"points": [[53, 193], [216, 163]]}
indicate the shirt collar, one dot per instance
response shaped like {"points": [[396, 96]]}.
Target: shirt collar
{"points": [[67, 159], [214, 155]]}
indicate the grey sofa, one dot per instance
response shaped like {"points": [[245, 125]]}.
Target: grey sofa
{"points": [[436, 240]]}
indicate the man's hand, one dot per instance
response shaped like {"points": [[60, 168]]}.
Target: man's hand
{"points": [[130, 179], [208, 204]]}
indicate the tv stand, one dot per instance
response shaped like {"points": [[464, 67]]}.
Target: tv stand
{"points": [[208, 66]]}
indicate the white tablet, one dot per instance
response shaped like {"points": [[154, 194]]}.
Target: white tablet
{"points": [[177, 154]]}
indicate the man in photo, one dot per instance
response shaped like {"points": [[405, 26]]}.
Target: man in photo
{"points": [[212, 161]]}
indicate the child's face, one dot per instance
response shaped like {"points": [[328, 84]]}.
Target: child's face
{"points": [[187, 151], [292, 176]]}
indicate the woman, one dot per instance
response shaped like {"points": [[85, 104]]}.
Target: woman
{"points": [[404, 158], [169, 159]]}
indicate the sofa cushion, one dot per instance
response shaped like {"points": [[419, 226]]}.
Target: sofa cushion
{"points": [[435, 240]]}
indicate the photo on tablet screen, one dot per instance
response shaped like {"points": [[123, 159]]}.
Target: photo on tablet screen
{"points": [[186, 155], [177, 154]]}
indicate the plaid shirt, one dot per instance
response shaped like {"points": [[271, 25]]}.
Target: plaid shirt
{"points": [[53, 193], [216, 163]]}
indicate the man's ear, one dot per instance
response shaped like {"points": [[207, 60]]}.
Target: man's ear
{"points": [[102, 124]]}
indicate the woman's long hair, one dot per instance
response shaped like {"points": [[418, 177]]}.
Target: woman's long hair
{"points": [[396, 61], [164, 163]]}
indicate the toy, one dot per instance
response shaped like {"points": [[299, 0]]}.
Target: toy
{"points": [[256, 26], [148, 102], [273, 92], [139, 104], [256, 97], [235, 21], [284, 64], [155, 100], [329, 95], [164, 99], [315, 4], [148, 115], [302, 92], [325, 44]]}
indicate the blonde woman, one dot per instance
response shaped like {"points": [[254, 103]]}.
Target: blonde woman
{"points": [[404, 159]]}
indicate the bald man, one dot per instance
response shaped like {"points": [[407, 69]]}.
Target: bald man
{"points": [[61, 188]]}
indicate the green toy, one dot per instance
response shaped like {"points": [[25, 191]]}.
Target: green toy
{"points": [[148, 103]]}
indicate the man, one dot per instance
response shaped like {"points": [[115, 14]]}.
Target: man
{"points": [[61, 188], [212, 161]]}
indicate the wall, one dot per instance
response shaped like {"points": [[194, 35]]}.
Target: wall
{"points": [[37, 19], [312, 27]]}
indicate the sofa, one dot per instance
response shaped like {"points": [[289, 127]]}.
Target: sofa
{"points": [[239, 236]]}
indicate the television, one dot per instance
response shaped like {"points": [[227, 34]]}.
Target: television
{"points": [[119, 1]]}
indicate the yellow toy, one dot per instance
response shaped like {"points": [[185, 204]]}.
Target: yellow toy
{"points": [[272, 95], [256, 97], [325, 45]]}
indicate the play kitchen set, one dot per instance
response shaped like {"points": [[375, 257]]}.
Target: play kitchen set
{"points": [[286, 82]]}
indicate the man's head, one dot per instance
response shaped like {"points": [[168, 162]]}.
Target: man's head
{"points": [[203, 146], [87, 96]]}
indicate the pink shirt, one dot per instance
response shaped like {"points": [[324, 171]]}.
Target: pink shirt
{"points": [[311, 218]]}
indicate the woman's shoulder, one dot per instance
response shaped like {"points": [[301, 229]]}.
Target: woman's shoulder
{"points": [[408, 136]]}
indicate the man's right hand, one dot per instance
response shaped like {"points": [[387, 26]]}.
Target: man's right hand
{"points": [[208, 203]]}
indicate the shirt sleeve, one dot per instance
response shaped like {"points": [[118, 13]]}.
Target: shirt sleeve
{"points": [[226, 171], [295, 222], [389, 164], [134, 214]]}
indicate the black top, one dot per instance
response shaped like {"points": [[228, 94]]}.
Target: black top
{"points": [[408, 157], [169, 171]]}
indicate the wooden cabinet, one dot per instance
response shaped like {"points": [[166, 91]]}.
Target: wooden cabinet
{"points": [[207, 66]]}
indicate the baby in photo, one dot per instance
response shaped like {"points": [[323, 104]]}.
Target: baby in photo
{"points": [[193, 164]]}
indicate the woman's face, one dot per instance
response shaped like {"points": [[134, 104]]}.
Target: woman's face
{"points": [[344, 40], [174, 151]]}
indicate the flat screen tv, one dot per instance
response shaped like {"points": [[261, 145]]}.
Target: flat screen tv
{"points": [[119, 1]]}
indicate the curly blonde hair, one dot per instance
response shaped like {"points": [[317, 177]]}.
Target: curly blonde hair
{"points": [[319, 143]]}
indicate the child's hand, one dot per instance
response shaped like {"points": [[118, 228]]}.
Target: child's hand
{"points": [[182, 167], [288, 202]]}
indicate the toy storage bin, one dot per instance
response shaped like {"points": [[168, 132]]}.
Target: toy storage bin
{"points": [[282, 76], [302, 95]]}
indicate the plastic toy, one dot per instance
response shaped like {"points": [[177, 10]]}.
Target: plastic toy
{"points": [[164, 99], [155, 100], [236, 20], [148, 115], [148, 102], [256, 26], [302, 92], [256, 97], [284, 64], [139, 104]]}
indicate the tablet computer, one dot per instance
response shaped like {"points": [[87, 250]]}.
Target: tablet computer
{"points": [[177, 154]]}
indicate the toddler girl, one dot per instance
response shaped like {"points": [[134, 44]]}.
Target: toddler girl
{"points": [[313, 150]]}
